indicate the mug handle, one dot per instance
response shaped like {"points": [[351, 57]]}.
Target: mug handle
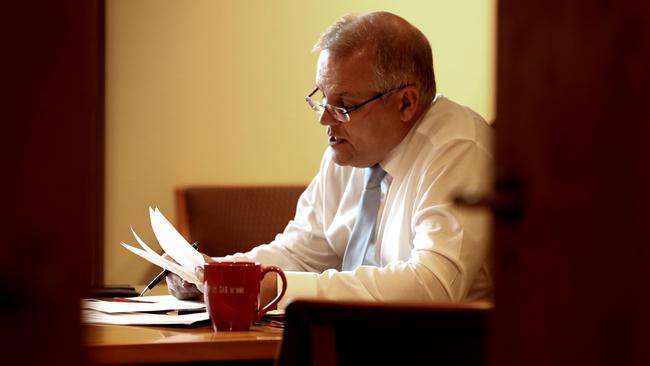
{"points": [[277, 299]]}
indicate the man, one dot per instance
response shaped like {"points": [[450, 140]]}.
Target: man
{"points": [[378, 221]]}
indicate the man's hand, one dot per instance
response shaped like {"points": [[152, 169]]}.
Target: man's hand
{"points": [[183, 290]]}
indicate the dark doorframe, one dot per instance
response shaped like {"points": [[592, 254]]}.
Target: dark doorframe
{"points": [[52, 130]]}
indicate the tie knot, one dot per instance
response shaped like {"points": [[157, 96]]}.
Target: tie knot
{"points": [[374, 175]]}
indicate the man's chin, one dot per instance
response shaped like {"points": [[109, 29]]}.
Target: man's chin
{"points": [[343, 159]]}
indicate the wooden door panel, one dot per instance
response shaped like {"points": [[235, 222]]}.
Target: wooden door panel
{"points": [[572, 127]]}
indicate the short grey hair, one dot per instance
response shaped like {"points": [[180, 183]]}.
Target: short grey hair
{"points": [[402, 53]]}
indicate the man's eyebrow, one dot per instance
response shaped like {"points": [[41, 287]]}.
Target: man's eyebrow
{"points": [[340, 94]]}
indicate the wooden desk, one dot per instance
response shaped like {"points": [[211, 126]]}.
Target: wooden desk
{"points": [[116, 344], [124, 345]]}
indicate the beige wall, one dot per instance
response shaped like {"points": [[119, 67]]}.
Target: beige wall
{"points": [[213, 92]]}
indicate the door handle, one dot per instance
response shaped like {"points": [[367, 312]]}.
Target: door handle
{"points": [[506, 201]]}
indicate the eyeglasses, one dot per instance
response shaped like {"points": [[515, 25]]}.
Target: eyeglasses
{"points": [[339, 113]]}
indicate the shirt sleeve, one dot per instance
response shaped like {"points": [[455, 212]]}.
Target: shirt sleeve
{"points": [[303, 286]]}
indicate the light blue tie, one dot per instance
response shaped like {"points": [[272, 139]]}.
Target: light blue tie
{"points": [[364, 226]]}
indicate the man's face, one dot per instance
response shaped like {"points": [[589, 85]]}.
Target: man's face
{"points": [[374, 129]]}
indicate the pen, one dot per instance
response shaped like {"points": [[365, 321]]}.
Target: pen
{"points": [[123, 299], [156, 280]]}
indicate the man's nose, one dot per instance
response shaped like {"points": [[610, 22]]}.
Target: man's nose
{"points": [[326, 118]]}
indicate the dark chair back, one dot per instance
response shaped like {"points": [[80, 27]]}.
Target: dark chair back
{"points": [[230, 219], [346, 333]]}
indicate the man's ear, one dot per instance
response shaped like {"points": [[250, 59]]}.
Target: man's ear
{"points": [[408, 103]]}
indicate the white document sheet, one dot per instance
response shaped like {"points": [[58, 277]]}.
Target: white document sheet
{"points": [[173, 243], [141, 304], [98, 317]]}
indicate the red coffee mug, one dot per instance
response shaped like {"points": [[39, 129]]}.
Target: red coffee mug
{"points": [[232, 293]]}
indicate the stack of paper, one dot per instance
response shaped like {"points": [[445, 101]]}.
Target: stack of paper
{"points": [[147, 310], [185, 258], [97, 317]]}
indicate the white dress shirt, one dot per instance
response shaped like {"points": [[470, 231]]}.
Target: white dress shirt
{"points": [[426, 248]]}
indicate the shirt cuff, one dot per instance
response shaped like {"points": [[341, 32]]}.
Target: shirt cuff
{"points": [[300, 285]]}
